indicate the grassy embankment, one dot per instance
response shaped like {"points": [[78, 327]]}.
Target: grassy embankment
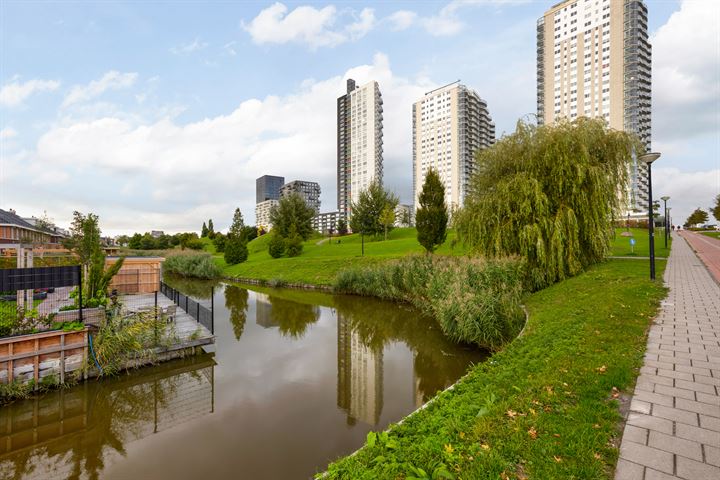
{"points": [[621, 245], [321, 261], [545, 406], [711, 234]]}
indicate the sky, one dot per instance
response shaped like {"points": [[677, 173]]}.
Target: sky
{"points": [[160, 115]]}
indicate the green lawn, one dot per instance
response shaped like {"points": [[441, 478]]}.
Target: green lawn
{"points": [[620, 246], [319, 263], [543, 407], [712, 234]]}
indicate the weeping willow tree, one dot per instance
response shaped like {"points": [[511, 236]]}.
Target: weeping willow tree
{"points": [[548, 194]]}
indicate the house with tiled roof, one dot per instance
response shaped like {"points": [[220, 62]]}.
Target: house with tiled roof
{"points": [[15, 230]]}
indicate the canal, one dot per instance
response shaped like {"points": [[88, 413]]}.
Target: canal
{"points": [[297, 379]]}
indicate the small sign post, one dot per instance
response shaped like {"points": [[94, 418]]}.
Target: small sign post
{"points": [[632, 245]]}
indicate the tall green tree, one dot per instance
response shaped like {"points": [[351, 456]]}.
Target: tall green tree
{"points": [[211, 229], [716, 209], [237, 225], [84, 241], [431, 218], [342, 227], [292, 211], [696, 217], [204, 231], [367, 212], [548, 194], [387, 219]]}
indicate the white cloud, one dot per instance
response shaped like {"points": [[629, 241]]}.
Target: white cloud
{"points": [[112, 80], [230, 48], [401, 20], [194, 46], [309, 26], [686, 72], [448, 22], [140, 175], [15, 93], [8, 133], [687, 190]]}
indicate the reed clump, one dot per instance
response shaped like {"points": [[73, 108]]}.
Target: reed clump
{"points": [[474, 300], [199, 265]]}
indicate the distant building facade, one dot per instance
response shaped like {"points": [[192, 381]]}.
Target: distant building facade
{"points": [[309, 191], [262, 214], [594, 60], [15, 230], [268, 187], [450, 124], [359, 142], [323, 222], [404, 216]]}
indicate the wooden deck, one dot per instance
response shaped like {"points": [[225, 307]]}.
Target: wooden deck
{"points": [[190, 332]]}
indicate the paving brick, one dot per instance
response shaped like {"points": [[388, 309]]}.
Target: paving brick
{"points": [[695, 386], [702, 435], [649, 422], [636, 434], [699, 407], [711, 423], [712, 454], [654, 398], [648, 456], [639, 406], [651, 474], [692, 470], [628, 471], [670, 443], [675, 392], [682, 416], [710, 399]]}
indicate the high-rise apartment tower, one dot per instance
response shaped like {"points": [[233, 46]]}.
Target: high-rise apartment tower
{"points": [[594, 60], [450, 124], [359, 142]]}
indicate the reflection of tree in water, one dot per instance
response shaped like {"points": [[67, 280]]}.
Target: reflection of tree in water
{"points": [[293, 318], [193, 287], [115, 411], [438, 361], [236, 301]]}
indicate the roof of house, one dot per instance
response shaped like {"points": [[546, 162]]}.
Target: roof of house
{"points": [[9, 218]]}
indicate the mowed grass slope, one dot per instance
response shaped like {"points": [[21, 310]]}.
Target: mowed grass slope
{"points": [[321, 260], [620, 246], [545, 407]]}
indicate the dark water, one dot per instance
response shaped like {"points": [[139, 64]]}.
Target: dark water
{"points": [[297, 380]]}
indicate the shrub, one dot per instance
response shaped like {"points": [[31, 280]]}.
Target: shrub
{"points": [[473, 300], [276, 246], [192, 265], [236, 250], [195, 244]]}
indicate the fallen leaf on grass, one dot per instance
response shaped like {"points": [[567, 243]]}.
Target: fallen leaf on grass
{"points": [[485, 446], [557, 459], [533, 433], [602, 369], [615, 392], [532, 411], [597, 456], [511, 413], [448, 448], [557, 435]]}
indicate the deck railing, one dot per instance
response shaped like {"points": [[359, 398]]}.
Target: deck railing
{"points": [[202, 314]]}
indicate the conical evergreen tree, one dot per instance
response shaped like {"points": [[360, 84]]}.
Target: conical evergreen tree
{"points": [[431, 218]]}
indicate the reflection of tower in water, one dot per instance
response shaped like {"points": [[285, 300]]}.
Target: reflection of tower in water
{"points": [[263, 311], [360, 376]]}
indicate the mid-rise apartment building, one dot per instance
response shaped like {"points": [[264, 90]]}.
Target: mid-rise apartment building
{"points": [[268, 187], [308, 191], [594, 60], [323, 222], [450, 124], [359, 142], [262, 214]]}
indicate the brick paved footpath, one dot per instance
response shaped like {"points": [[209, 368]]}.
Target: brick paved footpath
{"points": [[673, 427]]}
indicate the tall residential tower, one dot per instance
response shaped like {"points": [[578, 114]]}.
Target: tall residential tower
{"points": [[594, 60], [450, 124], [359, 142]]}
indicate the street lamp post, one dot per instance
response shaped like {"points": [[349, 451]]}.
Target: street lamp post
{"points": [[648, 159], [665, 199]]}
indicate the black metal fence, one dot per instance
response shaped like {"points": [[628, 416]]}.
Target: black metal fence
{"points": [[201, 313]]}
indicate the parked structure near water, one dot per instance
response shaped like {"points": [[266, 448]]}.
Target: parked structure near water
{"points": [[594, 60], [450, 124], [359, 142]]}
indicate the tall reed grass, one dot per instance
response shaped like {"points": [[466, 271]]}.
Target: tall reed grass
{"points": [[200, 265], [474, 300]]}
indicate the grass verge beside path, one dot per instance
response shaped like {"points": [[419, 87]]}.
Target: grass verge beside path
{"points": [[715, 235], [620, 246], [543, 407]]}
